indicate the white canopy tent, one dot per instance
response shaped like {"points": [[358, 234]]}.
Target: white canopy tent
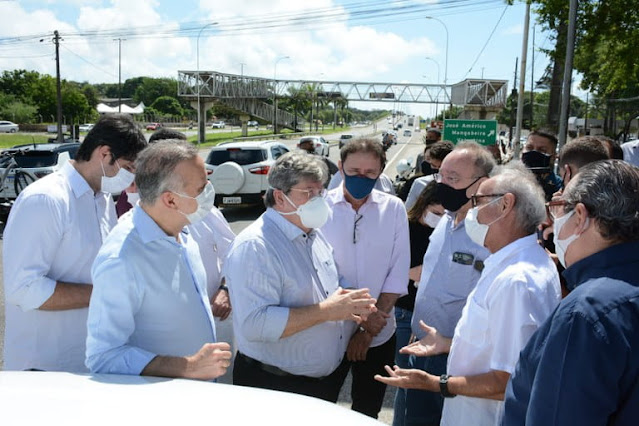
{"points": [[125, 109]]}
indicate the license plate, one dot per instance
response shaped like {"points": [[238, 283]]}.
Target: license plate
{"points": [[232, 200]]}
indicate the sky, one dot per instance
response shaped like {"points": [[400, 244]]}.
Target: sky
{"points": [[251, 36]]}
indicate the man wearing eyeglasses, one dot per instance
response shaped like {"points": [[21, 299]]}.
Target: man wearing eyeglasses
{"points": [[581, 367], [368, 230], [451, 268], [518, 289], [291, 317]]}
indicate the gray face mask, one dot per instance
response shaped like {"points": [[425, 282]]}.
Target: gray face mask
{"points": [[205, 202]]}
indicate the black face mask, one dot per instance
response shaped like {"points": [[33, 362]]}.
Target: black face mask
{"points": [[427, 169], [453, 199], [536, 161]]}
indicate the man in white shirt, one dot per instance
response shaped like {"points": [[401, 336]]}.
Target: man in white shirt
{"points": [[290, 316], [150, 312], [53, 234], [518, 289], [368, 230]]}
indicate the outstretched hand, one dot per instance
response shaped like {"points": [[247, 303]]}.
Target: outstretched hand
{"points": [[432, 343], [409, 379]]}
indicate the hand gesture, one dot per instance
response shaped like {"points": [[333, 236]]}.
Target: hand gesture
{"points": [[358, 346], [221, 305], [210, 362], [432, 343], [375, 322], [409, 379], [353, 305]]}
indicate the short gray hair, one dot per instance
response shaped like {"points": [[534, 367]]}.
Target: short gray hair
{"points": [[610, 191], [484, 161], [290, 169], [530, 208], [155, 167]]}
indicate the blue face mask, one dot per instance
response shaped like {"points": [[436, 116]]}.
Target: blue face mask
{"points": [[359, 186]]}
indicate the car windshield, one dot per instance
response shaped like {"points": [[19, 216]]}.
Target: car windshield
{"points": [[238, 155], [32, 159]]}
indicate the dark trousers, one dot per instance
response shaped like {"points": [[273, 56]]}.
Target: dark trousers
{"points": [[368, 393], [424, 408], [252, 373]]}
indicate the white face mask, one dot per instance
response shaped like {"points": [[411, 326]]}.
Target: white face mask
{"points": [[205, 202], [119, 182], [431, 219], [562, 245], [132, 198], [313, 213], [477, 231]]}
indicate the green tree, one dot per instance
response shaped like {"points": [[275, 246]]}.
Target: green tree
{"points": [[167, 105], [152, 88]]}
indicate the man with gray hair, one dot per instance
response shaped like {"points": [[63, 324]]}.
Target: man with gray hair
{"points": [[518, 289], [149, 312], [290, 314], [581, 367]]}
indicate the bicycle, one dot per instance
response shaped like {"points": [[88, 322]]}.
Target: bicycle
{"points": [[13, 180]]}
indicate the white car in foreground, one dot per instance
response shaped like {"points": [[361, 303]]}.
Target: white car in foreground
{"points": [[38, 397], [238, 170]]}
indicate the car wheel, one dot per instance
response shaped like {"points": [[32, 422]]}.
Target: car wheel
{"points": [[228, 178], [12, 131]]}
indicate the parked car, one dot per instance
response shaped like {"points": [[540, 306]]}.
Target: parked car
{"points": [[253, 123], [8, 127], [319, 144], [153, 126], [344, 139], [218, 125], [39, 159], [408, 133], [86, 127], [239, 170], [156, 400]]}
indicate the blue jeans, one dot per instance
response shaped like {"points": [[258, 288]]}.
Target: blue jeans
{"points": [[402, 333], [423, 407]]}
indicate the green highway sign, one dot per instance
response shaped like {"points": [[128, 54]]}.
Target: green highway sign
{"points": [[483, 132]]}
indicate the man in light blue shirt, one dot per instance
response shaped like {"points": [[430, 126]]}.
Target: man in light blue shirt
{"points": [[149, 313], [291, 318], [451, 268]]}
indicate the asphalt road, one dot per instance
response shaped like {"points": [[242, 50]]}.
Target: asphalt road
{"points": [[240, 218]]}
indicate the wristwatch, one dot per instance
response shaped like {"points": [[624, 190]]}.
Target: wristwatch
{"points": [[443, 386]]}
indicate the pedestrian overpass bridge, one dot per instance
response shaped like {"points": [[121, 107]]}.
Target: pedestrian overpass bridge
{"points": [[247, 94]]}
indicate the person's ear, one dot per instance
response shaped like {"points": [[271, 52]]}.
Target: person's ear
{"points": [[278, 196], [508, 203], [169, 199], [582, 218]]}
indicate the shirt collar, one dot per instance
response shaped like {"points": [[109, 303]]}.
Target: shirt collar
{"points": [[520, 244], [148, 229], [78, 184], [612, 262], [291, 231]]}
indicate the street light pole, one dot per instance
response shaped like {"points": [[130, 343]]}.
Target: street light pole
{"points": [[446, 64], [436, 103], [275, 92], [200, 130], [120, 40]]}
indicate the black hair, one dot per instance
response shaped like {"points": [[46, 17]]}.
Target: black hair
{"points": [[117, 131]]}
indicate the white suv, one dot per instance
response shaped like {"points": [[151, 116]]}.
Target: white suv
{"points": [[320, 145], [240, 169]]}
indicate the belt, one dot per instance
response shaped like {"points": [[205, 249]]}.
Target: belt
{"points": [[271, 369]]}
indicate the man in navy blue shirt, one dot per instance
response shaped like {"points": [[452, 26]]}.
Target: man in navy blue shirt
{"points": [[582, 366]]}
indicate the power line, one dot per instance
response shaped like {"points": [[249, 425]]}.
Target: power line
{"points": [[487, 41], [88, 62]]}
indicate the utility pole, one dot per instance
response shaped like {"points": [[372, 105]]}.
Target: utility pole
{"points": [[120, 40], [512, 105], [532, 79], [522, 81], [56, 40], [565, 92]]}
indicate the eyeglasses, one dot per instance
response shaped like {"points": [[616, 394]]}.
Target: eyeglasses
{"points": [[358, 217], [555, 208], [453, 180], [312, 193], [474, 198]]}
